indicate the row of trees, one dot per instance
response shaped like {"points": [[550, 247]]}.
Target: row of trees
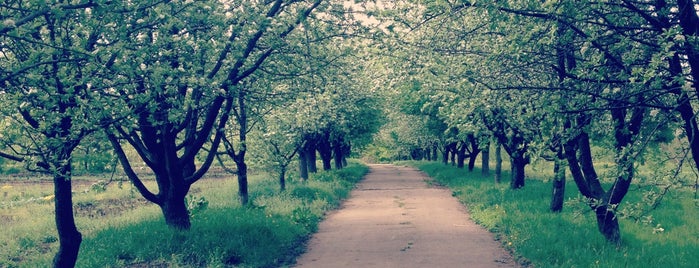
{"points": [[180, 84], [552, 80], [183, 84]]}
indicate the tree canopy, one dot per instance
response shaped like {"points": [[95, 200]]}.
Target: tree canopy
{"points": [[174, 85]]}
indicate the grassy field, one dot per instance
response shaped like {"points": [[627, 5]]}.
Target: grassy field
{"points": [[120, 229], [667, 236]]}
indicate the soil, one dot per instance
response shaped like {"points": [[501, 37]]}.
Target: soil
{"points": [[395, 218], [107, 207]]}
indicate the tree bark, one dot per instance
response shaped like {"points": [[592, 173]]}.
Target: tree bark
{"points": [[282, 179], [498, 163], [311, 155], [303, 165], [485, 161], [689, 21], [472, 160], [435, 154], [608, 224], [473, 150], [239, 157], [338, 154], [68, 235], [325, 151], [243, 182], [460, 154], [346, 152], [559, 183], [445, 155], [174, 209], [518, 164]]}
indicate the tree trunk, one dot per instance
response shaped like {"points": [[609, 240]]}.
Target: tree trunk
{"points": [[68, 235], [175, 211], [498, 163], [346, 152], [282, 179], [311, 157], [584, 174], [461, 155], [337, 154], [325, 151], [485, 161], [472, 159], [559, 184], [416, 154], [445, 155], [243, 182], [171, 198], [303, 165], [239, 158], [691, 129], [608, 224], [435, 154], [472, 142], [688, 21], [518, 164]]}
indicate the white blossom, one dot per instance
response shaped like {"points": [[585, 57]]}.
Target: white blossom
{"points": [[8, 23]]}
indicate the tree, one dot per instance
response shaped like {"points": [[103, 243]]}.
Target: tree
{"points": [[344, 114], [248, 111], [336, 107], [599, 76], [484, 89], [523, 66], [51, 75], [184, 66], [280, 142], [169, 92]]}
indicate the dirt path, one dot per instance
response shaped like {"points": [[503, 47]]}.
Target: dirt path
{"points": [[394, 219]]}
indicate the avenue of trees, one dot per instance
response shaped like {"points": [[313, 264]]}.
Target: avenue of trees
{"points": [[176, 87], [577, 83]]}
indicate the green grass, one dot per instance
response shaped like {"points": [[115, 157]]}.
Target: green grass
{"points": [[270, 232], [522, 222], [219, 237]]}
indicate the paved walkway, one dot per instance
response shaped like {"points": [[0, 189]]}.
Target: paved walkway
{"points": [[394, 219]]}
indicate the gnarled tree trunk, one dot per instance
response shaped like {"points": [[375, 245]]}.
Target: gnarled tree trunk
{"points": [[604, 203], [174, 208]]}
